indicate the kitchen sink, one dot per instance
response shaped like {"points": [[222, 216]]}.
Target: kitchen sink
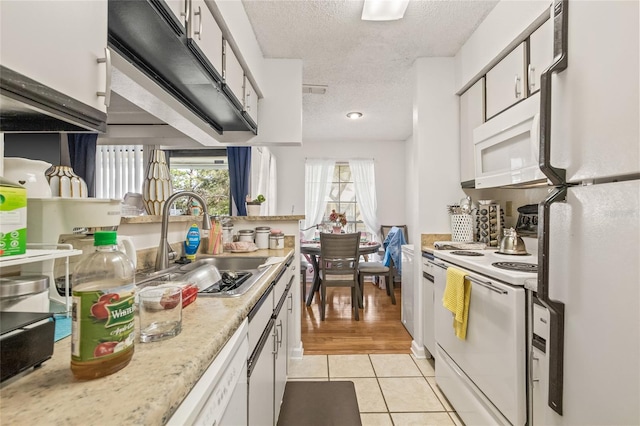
{"points": [[214, 276]]}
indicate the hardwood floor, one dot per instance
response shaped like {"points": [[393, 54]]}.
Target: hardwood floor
{"points": [[379, 330]]}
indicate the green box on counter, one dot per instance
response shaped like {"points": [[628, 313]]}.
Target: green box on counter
{"points": [[13, 218]]}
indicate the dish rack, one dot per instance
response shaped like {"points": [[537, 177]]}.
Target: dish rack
{"points": [[489, 224]]}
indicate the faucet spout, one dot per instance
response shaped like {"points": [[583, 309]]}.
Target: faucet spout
{"points": [[162, 256]]}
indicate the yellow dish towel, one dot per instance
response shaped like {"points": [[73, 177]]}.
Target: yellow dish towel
{"points": [[456, 299]]}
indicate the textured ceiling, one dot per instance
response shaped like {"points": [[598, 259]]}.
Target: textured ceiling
{"points": [[365, 64]]}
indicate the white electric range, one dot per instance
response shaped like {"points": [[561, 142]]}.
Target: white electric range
{"points": [[484, 376]]}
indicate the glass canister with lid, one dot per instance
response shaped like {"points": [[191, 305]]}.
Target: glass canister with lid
{"points": [[276, 239], [262, 237]]}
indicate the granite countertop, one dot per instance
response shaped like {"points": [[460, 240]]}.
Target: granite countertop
{"points": [[187, 218], [151, 387]]}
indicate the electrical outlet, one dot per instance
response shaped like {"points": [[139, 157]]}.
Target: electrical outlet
{"points": [[508, 209]]}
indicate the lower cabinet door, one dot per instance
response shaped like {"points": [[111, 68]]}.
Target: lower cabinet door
{"points": [[280, 358], [261, 380]]}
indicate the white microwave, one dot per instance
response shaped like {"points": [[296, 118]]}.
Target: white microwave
{"points": [[506, 147]]}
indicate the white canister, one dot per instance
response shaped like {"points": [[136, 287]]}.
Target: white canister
{"points": [[246, 235], [276, 241], [262, 237]]}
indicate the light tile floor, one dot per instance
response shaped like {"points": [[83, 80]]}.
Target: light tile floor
{"points": [[392, 390]]}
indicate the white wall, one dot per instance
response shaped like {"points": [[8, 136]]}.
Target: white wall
{"points": [[389, 160], [435, 144]]}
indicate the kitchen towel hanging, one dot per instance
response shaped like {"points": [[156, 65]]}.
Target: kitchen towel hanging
{"points": [[456, 299]]}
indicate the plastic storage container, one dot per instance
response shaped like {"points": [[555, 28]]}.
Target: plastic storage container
{"points": [[103, 310]]}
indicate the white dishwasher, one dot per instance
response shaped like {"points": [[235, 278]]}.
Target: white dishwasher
{"points": [[220, 396], [408, 289]]}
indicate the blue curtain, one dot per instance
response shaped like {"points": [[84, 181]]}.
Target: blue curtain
{"points": [[82, 152], [239, 171]]}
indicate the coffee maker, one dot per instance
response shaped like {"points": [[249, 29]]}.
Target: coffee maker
{"points": [[70, 221], [527, 225]]}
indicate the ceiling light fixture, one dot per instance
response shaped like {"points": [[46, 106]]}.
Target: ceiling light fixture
{"points": [[354, 115], [384, 10]]}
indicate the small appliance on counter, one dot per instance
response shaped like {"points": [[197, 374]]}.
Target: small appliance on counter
{"points": [[26, 341], [527, 225]]}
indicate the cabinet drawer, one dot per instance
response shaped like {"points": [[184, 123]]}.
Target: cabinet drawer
{"points": [[259, 317]]}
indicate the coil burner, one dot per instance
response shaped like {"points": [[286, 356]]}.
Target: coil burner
{"points": [[466, 253], [517, 266]]}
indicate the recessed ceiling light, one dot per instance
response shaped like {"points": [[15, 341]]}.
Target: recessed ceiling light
{"points": [[384, 10], [354, 115]]}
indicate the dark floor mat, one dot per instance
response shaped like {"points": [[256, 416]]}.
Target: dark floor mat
{"points": [[319, 404]]}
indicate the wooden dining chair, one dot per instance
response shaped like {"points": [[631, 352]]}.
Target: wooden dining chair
{"points": [[377, 269], [339, 258]]}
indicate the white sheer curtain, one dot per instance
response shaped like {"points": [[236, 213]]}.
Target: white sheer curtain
{"points": [[364, 181], [317, 183], [267, 182], [119, 169]]}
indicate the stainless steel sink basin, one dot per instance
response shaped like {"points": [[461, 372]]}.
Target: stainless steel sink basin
{"points": [[210, 269], [227, 263]]}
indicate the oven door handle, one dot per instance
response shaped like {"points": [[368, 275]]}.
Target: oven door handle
{"points": [[486, 284]]}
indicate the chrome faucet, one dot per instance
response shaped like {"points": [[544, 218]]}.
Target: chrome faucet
{"points": [[162, 257]]}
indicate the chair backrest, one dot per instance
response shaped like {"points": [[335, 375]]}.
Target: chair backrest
{"points": [[339, 254], [384, 230]]}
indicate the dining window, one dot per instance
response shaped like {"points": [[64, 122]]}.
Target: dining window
{"points": [[342, 197]]}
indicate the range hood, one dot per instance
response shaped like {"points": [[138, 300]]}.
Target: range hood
{"points": [[28, 106]]}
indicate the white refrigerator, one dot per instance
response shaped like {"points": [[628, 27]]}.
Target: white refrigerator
{"points": [[589, 232]]}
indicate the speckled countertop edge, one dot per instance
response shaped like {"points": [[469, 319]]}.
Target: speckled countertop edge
{"points": [[150, 388]]}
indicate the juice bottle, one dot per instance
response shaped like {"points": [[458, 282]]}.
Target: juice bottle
{"points": [[102, 315]]}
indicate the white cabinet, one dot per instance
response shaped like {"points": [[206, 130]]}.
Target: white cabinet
{"points": [[408, 290], [428, 330], [178, 9], [261, 373], [540, 54], [58, 44], [233, 74], [269, 329], [506, 82], [471, 116], [205, 32], [250, 100]]}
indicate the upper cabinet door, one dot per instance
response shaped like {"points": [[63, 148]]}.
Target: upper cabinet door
{"points": [[540, 54], [250, 100], [58, 44], [233, 75], [178, 9], [205, 32], [506, 82], [471, 116]]}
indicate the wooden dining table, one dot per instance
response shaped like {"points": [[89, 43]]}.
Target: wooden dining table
{"points": [[312, 249]]}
